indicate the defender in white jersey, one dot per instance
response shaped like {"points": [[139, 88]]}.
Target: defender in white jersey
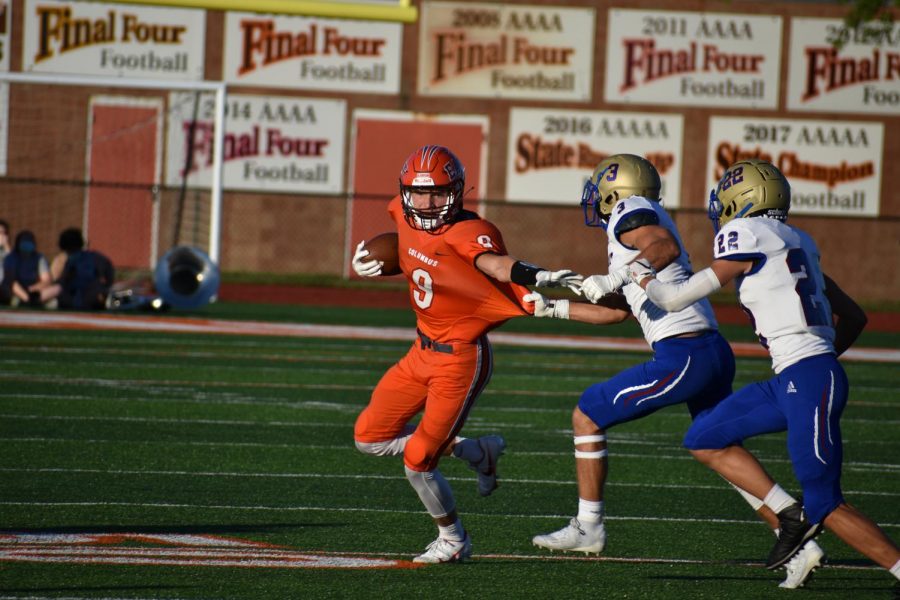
{"points": [[793, 306], [692, 363]]}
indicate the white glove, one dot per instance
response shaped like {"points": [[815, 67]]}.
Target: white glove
{"points": [[369, 268], [596, 286], [548, 307], [639, 270], [564, 278]]}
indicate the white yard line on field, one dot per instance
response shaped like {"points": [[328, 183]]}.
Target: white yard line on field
{"points": [[170, 473], [192, 325], [848, 466], [264, 508]]}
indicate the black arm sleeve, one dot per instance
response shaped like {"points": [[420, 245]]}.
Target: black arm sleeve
{"points": [[524, 273]]}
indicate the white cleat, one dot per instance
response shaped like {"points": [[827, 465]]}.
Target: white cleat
{"points": [[492, 446], [445, 551], [575, 537], [800, 568]]}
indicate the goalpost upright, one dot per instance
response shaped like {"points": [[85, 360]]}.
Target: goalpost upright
{"points": [[218, 89]]}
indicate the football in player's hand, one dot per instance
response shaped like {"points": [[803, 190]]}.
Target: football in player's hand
{"points": [[385, 248]]}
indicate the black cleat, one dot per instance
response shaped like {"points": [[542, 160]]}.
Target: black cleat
{"points": [[794, 531]]}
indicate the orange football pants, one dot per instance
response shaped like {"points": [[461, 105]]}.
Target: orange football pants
{"points": [[443, 385]]}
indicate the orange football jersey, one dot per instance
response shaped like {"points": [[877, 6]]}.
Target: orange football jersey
{"points": [[453, 300]]}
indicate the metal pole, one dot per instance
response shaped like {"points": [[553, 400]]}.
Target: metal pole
{"points": [[215, 213]]}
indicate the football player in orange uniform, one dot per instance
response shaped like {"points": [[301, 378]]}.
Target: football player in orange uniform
{"points": [[462, 284]]}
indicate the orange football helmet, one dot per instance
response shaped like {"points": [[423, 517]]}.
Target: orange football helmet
{"points": [[432, 170]]}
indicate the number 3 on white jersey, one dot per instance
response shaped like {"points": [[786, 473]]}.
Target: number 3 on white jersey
{"points": [[425, 292]]}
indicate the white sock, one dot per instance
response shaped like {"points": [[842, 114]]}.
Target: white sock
{"points": [[454, 532], [777, 499], [752, 500], [590, 511], [468, 449], [895, 570]]}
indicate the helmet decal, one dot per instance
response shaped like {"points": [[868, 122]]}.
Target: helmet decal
{"points": [[750, 188], [617, 177], [436, 172]]}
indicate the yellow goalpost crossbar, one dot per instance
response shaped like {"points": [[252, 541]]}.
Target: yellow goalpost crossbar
{"points": [[400, 10]]}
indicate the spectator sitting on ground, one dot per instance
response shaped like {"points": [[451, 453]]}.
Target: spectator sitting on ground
{"points": [[26, 274], [86, 275], [5, 249]]}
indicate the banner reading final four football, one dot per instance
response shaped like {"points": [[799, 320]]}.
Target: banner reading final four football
{"points": [[863, 76], [692, 58], [834, 167], [312, 53], [506, 51], [116, 40], [271, 143], [552, 153]]}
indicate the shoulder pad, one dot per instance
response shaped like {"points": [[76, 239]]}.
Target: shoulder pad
{"points": [[635, 219]]}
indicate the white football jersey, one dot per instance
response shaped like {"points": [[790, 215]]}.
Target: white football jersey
{"points": [[785, 291], [655, 322]]}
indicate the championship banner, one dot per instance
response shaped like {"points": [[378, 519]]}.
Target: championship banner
{"points": [[552, 153], [863, 76], [506, 51], [692, 58], [113, 40], [312, 54], [834, 167], [272, 143]]}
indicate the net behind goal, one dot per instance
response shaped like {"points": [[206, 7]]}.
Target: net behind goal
{"points": [[135, 163]]}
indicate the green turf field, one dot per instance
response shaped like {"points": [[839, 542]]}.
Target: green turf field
{"points": [[251, 438]]}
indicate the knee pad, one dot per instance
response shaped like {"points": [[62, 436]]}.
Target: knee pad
{"points": [[392, 447], [433, 491]]}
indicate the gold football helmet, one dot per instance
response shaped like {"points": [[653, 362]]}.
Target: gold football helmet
{"points": [[750, 188], [617, 177]]}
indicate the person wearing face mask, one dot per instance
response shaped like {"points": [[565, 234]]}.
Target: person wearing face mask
{"points": [[26, 274]]}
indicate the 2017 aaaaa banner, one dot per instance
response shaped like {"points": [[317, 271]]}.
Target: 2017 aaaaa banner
{"points": [[834, 167]]}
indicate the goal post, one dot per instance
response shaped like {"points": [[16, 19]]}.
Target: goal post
{"points": [[93, 151]]}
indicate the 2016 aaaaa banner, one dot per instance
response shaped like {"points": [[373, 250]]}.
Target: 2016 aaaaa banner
{"points": [[271, 143], [691, 58], [115, 40], [312, 53], [834, 167], [506, 51], [552, 153], [863, 76]]}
